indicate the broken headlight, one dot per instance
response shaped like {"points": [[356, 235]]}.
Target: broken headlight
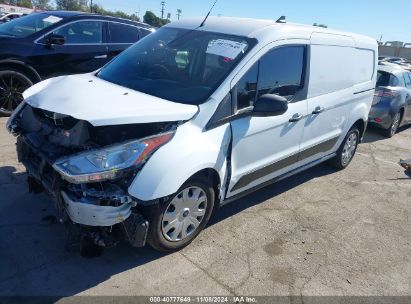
{"points": [[108, 163]]}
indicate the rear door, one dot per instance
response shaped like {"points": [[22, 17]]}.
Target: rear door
{"points": [[120, 37], [84, 49]]}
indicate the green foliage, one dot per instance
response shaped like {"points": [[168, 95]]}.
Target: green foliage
{"points": [[42, 4], [100, 10], [76, 5], [152, 19], [72, 5], [25, 3]]}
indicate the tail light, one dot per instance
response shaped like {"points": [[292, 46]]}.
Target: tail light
{"points": [[385, 93]]}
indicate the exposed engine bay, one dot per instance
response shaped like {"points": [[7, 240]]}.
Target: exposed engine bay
{"points": [[96, 210]]}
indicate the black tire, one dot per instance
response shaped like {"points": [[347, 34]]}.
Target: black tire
{"points": [[12, 86], [154, 214], [341, 160], [392, 130]]}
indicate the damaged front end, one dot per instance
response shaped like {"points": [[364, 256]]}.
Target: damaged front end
{"points": [[87, 170]]}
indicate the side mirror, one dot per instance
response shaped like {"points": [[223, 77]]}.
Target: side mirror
{"points": [[270, 105], [55, 39]]}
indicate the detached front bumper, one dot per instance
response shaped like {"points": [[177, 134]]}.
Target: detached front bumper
{"points": [[95, 215]]}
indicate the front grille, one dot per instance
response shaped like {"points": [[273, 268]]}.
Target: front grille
{"points": [[37, 165]]}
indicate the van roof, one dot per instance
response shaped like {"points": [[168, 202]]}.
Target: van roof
{"points": [[260, 29]]}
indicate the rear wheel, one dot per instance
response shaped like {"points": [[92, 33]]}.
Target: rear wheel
{"points": [[347, 149], [390, 132], [12, 86], [177, 221]]}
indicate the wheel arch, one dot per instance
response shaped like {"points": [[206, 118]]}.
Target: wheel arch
{"points": [[21, 67], [402, 111], [212, 176], [362, 126]]}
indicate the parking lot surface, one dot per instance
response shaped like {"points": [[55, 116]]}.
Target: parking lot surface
{"points": [[321, 232]]}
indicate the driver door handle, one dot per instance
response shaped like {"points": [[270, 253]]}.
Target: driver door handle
{"points": [[101, 56], [296, 117], [318, 110]]}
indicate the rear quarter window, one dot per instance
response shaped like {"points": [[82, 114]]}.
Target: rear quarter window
{"points": [[123, 33]]}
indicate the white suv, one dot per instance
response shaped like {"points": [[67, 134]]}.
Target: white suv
{"points": [[190, 118]]}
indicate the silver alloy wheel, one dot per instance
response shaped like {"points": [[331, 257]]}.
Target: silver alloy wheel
{"points": [[349, 148], [184, 214], [395, 124]]}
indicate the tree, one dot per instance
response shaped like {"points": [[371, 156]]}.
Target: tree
{"points": [[72, 5], [97, 9], [151, 19], [25, 3], [42, 4]]}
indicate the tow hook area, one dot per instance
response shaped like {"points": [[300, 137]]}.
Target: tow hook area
{"points": [[99, 219]]}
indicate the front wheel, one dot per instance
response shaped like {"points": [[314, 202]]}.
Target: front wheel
{"points": [[173, 224], [12, 86], [347, 149]]}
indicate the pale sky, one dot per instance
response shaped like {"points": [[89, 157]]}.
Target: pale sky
{"points": [[374, 18]]}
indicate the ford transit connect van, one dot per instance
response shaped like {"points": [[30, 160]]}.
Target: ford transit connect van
{"points": [[190, 118]]}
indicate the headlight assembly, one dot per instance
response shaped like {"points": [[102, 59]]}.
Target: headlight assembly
{"points": [[110, 162]]}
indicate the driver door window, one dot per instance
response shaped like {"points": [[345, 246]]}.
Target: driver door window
{"points": [[82, 32], [282, 72]]}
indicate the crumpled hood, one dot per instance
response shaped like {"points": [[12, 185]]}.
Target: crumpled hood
{"points": [[99, 102]]}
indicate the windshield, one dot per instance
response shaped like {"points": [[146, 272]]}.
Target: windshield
{"points": [[179, 65], [27, 25]]}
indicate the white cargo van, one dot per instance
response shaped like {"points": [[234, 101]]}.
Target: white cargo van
{"points": [[190, 118]]}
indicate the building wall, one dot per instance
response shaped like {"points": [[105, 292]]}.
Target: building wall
{"points": [[392, 51]]}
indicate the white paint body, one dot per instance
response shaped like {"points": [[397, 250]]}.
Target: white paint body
{"points": [[341, 79]]}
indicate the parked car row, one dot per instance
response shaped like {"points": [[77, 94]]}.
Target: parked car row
{"points": [[391, 106], [194, 116], [48, 44], [402, 63]]}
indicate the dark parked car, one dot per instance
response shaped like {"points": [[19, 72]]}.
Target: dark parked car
{"points": [[391, 107], [48, 44]]}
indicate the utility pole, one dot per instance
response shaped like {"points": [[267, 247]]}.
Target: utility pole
{"points": [[179, 11], [91, 6], [163, 3]]}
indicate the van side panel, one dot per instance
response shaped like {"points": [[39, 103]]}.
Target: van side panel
{"points": [[339, 62], [332, 69]]}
